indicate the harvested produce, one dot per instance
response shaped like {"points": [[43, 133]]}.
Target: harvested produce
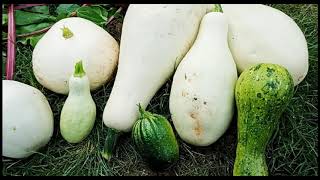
{"points": [[27, 120], [262, 94], [154, 139], [154, 39], [202, 92], [262, 34], [70, 39], [79, 111]]}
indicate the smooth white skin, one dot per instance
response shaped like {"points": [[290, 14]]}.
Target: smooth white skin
{"points": [[79, 111], [27, 120], [262, 34], [202, 93], [54, 56], [154, 39]]}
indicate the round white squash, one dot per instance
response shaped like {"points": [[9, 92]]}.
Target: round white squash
{"points": [[27, 120], [262, 34], [56, 53]]}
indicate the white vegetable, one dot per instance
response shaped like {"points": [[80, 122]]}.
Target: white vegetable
{"points": [[154, 39], [202, 93], [79, 111], [68, 40], [262, 34], [27, 120]]}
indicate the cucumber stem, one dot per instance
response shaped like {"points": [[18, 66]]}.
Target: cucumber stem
{"points": [[110, 143], [78, 70], [217, 8], [144, 114]]}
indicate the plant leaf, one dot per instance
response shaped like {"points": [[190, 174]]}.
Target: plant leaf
{"points": [[39, 9], [96, 14], [66, 9], [33, 40], [4, 19], [32, 27], [26, 18]]}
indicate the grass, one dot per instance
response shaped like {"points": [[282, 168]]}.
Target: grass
{"points": [[292, 151]]}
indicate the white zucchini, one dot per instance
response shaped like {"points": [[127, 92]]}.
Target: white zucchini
{"points": [[155, 38], [202, 92], [79, 111]]}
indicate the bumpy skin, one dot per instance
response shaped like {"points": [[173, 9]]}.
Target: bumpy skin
{"points": [[154, 139], [262, 94]]}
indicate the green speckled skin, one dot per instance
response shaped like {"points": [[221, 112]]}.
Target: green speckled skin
{"points": [[262, 94], [154, 139]]}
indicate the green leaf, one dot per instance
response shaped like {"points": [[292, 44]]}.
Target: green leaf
{"points": [[96, 14], [4, 35], [4, 19], [32, 40], [26, 18], [66, 9], [39, 9], [31, 28]]}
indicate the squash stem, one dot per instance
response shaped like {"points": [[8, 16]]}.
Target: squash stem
{"points": [[111, 141], [66, 32], [217, 8], [78, 70]]}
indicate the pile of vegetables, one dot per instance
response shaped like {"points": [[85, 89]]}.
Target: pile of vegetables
{"points": [[204, 47]]}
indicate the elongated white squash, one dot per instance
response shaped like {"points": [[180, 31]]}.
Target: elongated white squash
{"points": [[202, 92], [79, 111], [155, 37], [262, 34]]}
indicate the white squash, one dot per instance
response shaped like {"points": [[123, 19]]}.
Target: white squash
{"points": [[202, 93], [70, 39], [27, 120], [79, 111], [154, 39], [262, 34]]}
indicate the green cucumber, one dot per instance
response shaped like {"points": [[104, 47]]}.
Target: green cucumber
{"points": [[155, 140]]}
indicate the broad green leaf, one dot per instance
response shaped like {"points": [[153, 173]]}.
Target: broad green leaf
{"points": [[66, 9], [96, 14], [39, 9], [4, 19], [31, 28], [32, 40], [25, 18]]}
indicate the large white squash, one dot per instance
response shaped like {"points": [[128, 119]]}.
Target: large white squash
{"points": [[27, 120], [155, 38], [68, 41], [262, 34], [202, 93]]}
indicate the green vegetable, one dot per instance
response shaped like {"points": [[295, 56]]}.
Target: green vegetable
{"points": [[96, 14], [25, 18], [79, 111], [64, 10], [39, 9], [154, 139], [262, 94]]}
